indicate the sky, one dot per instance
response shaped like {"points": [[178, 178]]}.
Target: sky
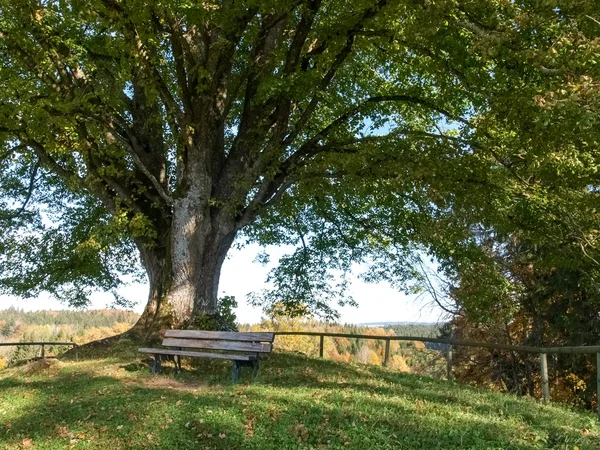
{"points": [[240, 275]]}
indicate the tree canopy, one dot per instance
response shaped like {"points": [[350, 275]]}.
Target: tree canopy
{"points": [[361, 132]]}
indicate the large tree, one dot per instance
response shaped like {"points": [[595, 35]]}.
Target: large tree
{"points": [[365, 130]]}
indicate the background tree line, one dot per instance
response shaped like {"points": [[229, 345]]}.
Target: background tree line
{"points": [[84, 326], [80, 327], [409, 356]]}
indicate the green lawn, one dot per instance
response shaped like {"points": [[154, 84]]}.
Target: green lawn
{"points": [[295, 403]]}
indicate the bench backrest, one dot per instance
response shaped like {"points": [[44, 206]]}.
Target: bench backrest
{"points": [[219, 340]]}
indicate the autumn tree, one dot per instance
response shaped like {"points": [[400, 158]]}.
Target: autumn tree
{"points": [[359, 131]]}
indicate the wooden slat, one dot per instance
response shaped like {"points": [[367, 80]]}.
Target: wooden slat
{"points": [[159, 351], [217, 345], [221, 335]]}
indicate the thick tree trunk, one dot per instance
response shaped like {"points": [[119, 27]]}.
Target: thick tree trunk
{"points": [[184, 272], [184, 265], [157, 314]]}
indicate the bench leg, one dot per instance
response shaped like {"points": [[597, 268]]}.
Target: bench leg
{"points": [[235, 372], [156, 365], [255, 367], [177, 361]]}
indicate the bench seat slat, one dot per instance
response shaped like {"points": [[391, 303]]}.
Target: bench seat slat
{"points": [[230, 356], [221, 335], [217, 345]]}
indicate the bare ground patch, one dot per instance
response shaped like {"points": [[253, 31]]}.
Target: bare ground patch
{"points": [[162, 382]]}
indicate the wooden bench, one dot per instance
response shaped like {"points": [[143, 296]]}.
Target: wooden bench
{"points": [[243, 349]]}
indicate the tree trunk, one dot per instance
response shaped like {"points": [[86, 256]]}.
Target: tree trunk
{"points": [[157, 314], [184, 272]]}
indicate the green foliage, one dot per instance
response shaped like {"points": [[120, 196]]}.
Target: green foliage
{"points": [[303, 281], [71, 248], [363, 133], [294, 403], [227, 306], [553, 300], [224, 320]]}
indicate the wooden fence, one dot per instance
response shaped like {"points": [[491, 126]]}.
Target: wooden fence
{"points": [[42, 344], [542, 351]]}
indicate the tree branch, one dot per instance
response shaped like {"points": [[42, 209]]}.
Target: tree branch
{"points": [[310, 146], [177, 47], [144, 52], [134, 150], [433, 291], [339, 60], [300, 35], [32, 179], [68, 176], [268, 194]]}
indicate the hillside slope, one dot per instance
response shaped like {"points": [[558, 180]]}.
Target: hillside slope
{"points": [[295, 403]]}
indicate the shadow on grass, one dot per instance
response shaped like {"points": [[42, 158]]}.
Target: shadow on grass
{"points": [[295, 402], [324, 374]]}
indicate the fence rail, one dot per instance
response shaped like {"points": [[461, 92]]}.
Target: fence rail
{"points": [[542, 351], [42, 344]]}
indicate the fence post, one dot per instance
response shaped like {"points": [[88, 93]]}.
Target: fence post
{"points": [[387, 352], [449, 363], [321, 342], [544, 373], [598, 382], [43, 351]]}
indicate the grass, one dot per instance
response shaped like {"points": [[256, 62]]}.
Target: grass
{"points": [[112, 402]]}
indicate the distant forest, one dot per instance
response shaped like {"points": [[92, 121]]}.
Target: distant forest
{"points": [[407, 356], [80, 327], [81, 319], [84, 326], [416, 329]]}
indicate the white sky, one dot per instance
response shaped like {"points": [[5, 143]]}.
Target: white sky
{"points": [[240, 275]]}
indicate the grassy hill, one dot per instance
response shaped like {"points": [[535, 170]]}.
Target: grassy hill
{"points": [[112, 402]]}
